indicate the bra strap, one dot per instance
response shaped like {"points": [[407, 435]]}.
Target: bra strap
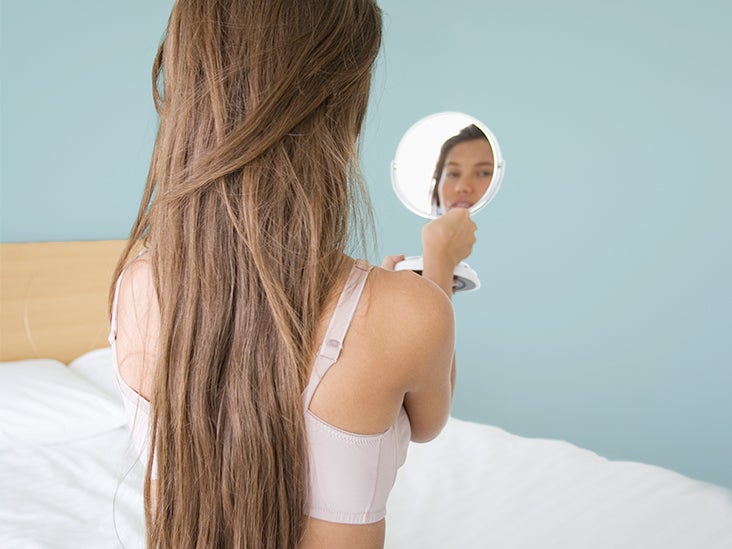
{"points": [[113, 321], [332, 344]]}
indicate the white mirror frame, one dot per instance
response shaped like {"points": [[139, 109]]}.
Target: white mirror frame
{"points": [[423, 140]]}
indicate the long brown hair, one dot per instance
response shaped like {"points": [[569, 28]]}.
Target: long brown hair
{"points": [[246, 214]]}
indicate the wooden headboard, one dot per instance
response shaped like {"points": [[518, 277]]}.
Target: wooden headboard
{"points": [[53, 298]]}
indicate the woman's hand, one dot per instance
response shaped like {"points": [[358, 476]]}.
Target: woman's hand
{"points": [[446, 241], [450, 237], [390, 261]]}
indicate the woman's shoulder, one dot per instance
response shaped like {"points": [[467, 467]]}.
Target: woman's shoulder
{"points": [[411, 309], [412, 292], [136, 291], [138, 319]]}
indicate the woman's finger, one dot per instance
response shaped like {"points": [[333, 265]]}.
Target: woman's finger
{"points": [[390, 261]]}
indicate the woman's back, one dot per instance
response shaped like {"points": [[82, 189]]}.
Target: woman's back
{"points": [[394, 364]]}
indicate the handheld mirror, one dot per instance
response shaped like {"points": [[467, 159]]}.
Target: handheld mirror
{"points": [[443, 161]]}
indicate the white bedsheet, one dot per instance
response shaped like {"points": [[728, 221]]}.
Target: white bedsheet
{"points": [[72, 495], [479, 486], [475, 486]]}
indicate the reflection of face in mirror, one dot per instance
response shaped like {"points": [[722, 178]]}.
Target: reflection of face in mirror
{"points": [[447, 160], [464, 170]]}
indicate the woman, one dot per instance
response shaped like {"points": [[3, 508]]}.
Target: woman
{"points": [[243, 297], [463, 171]]}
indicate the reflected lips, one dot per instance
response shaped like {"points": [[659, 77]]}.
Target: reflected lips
{"points": [[461, 204]]}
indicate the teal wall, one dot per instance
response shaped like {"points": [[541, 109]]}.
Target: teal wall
{"points": [[606, 313]]}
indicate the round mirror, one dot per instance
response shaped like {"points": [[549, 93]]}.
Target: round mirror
{"points": [[447, 160]]}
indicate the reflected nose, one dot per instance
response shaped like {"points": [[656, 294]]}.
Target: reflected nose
{"points": [[462, 185]]}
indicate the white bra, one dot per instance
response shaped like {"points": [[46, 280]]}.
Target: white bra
{"points": [[351, 474]]}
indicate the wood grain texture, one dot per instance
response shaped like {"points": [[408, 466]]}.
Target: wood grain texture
{"points": [[53, 298]]}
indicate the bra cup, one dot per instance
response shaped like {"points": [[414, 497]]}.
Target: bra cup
{"points": [[352, 475]]}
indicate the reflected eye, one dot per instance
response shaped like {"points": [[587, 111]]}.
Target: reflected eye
{"points": [[451, 175], [485, 173]]}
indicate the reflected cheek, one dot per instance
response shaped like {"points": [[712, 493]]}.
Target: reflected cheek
{"points": [[446, 193], [483, 185]]}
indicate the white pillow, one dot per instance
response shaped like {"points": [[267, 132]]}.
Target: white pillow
{"points": [[97, 367], [42, 402]]}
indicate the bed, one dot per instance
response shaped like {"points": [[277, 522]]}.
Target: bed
{"points": [[68, 476]]}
